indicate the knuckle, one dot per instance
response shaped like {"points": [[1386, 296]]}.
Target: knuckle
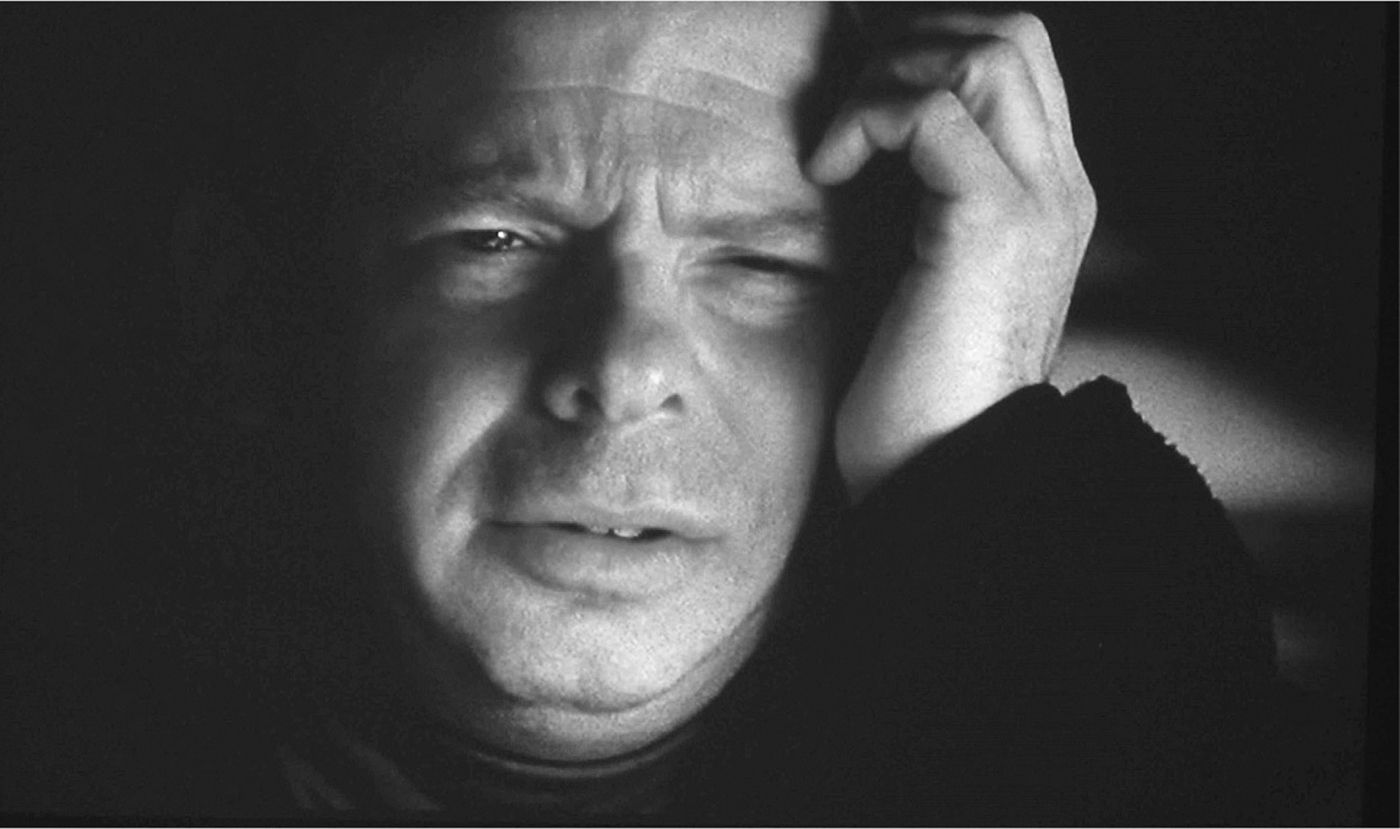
{"points": [[1022, 27], [1081, 194], [1071, 213], [1087, 196], [994, 61], [1088, 206]]}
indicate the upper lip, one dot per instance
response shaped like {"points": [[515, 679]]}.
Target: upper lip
{"points": [[678, 521]]}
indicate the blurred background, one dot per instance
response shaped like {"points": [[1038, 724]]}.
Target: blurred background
{"points": [[1234, 285]]}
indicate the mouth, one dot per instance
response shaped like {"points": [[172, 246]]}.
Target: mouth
{"points": [[624, 533], [583, 549], [654, 522]]}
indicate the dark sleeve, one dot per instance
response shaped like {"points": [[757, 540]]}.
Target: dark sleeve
{"points": [[1060, 623]]}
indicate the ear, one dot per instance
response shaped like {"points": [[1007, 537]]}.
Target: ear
{"points": [[218, 264]]}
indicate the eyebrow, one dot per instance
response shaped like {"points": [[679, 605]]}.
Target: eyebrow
{"points": [[421, 212], [500, 184], [782, 223]]}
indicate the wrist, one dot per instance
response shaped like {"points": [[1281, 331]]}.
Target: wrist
{"points": [[871, 445]]}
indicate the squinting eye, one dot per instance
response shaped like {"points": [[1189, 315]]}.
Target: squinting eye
{"points": [[798, 278], [761, 289], [765, 264]]}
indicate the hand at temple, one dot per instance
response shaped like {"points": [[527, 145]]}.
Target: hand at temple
{"points": [[977, 105]]}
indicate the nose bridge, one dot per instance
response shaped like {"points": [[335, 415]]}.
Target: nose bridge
{"points": [[624, 354], [641, 358]]}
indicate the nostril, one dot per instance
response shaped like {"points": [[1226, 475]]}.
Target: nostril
{"points": [[581, 403], [637, 367], [573, 404], [672, 404], [585, 401]]}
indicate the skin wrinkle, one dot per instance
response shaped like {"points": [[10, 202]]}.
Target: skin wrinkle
{"points": [[654, 45], [462, 155], [469, 386], [668, 36], [466, 424], [525, 163], [483, 188], [798, 232], [765, 109]]}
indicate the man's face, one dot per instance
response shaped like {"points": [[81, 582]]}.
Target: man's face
{"points": [[596, 382]]}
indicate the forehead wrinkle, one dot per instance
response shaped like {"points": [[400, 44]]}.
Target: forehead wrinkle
{"points": [[718, 108], [744, 62], [592, 146], [737, 65], [775, 45], [532, 156]]}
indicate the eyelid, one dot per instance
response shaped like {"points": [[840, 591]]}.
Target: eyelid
{"points": [[805, 266], [423, 229]]}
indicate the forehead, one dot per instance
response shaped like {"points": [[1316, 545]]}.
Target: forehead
{"points": [[743, 65], [685, 53]]}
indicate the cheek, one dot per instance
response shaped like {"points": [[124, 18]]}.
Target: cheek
{"points": [[432, 386], [775, 393], [777, 384]]}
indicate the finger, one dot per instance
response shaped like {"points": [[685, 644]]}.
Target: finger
{"points": [[843, 151], [948, 151], [992, 79], [1032, 39]]}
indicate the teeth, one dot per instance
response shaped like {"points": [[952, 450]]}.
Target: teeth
{"points": [[616, 532]]}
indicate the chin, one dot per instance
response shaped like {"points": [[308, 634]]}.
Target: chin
{"points": [[598, 667], [609, 683], [576, 694]]}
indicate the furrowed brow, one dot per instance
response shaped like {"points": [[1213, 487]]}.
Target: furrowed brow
{"points": [[515, 189], [791, 224]]}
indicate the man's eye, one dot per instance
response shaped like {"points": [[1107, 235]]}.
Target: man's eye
{"points": [[779, 278], [760, 288], [777, 267], [488, 241], [478, 266]]}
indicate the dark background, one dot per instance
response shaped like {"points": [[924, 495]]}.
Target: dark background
{"points": [[1238, 156]]}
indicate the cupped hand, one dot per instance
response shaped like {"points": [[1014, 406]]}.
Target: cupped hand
{"points": [[977, 105]]}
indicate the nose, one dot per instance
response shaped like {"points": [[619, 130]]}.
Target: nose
{"points": [[620, 356]]}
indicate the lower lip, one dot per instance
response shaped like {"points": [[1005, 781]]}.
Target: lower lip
{"points": [[585, 562]]}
